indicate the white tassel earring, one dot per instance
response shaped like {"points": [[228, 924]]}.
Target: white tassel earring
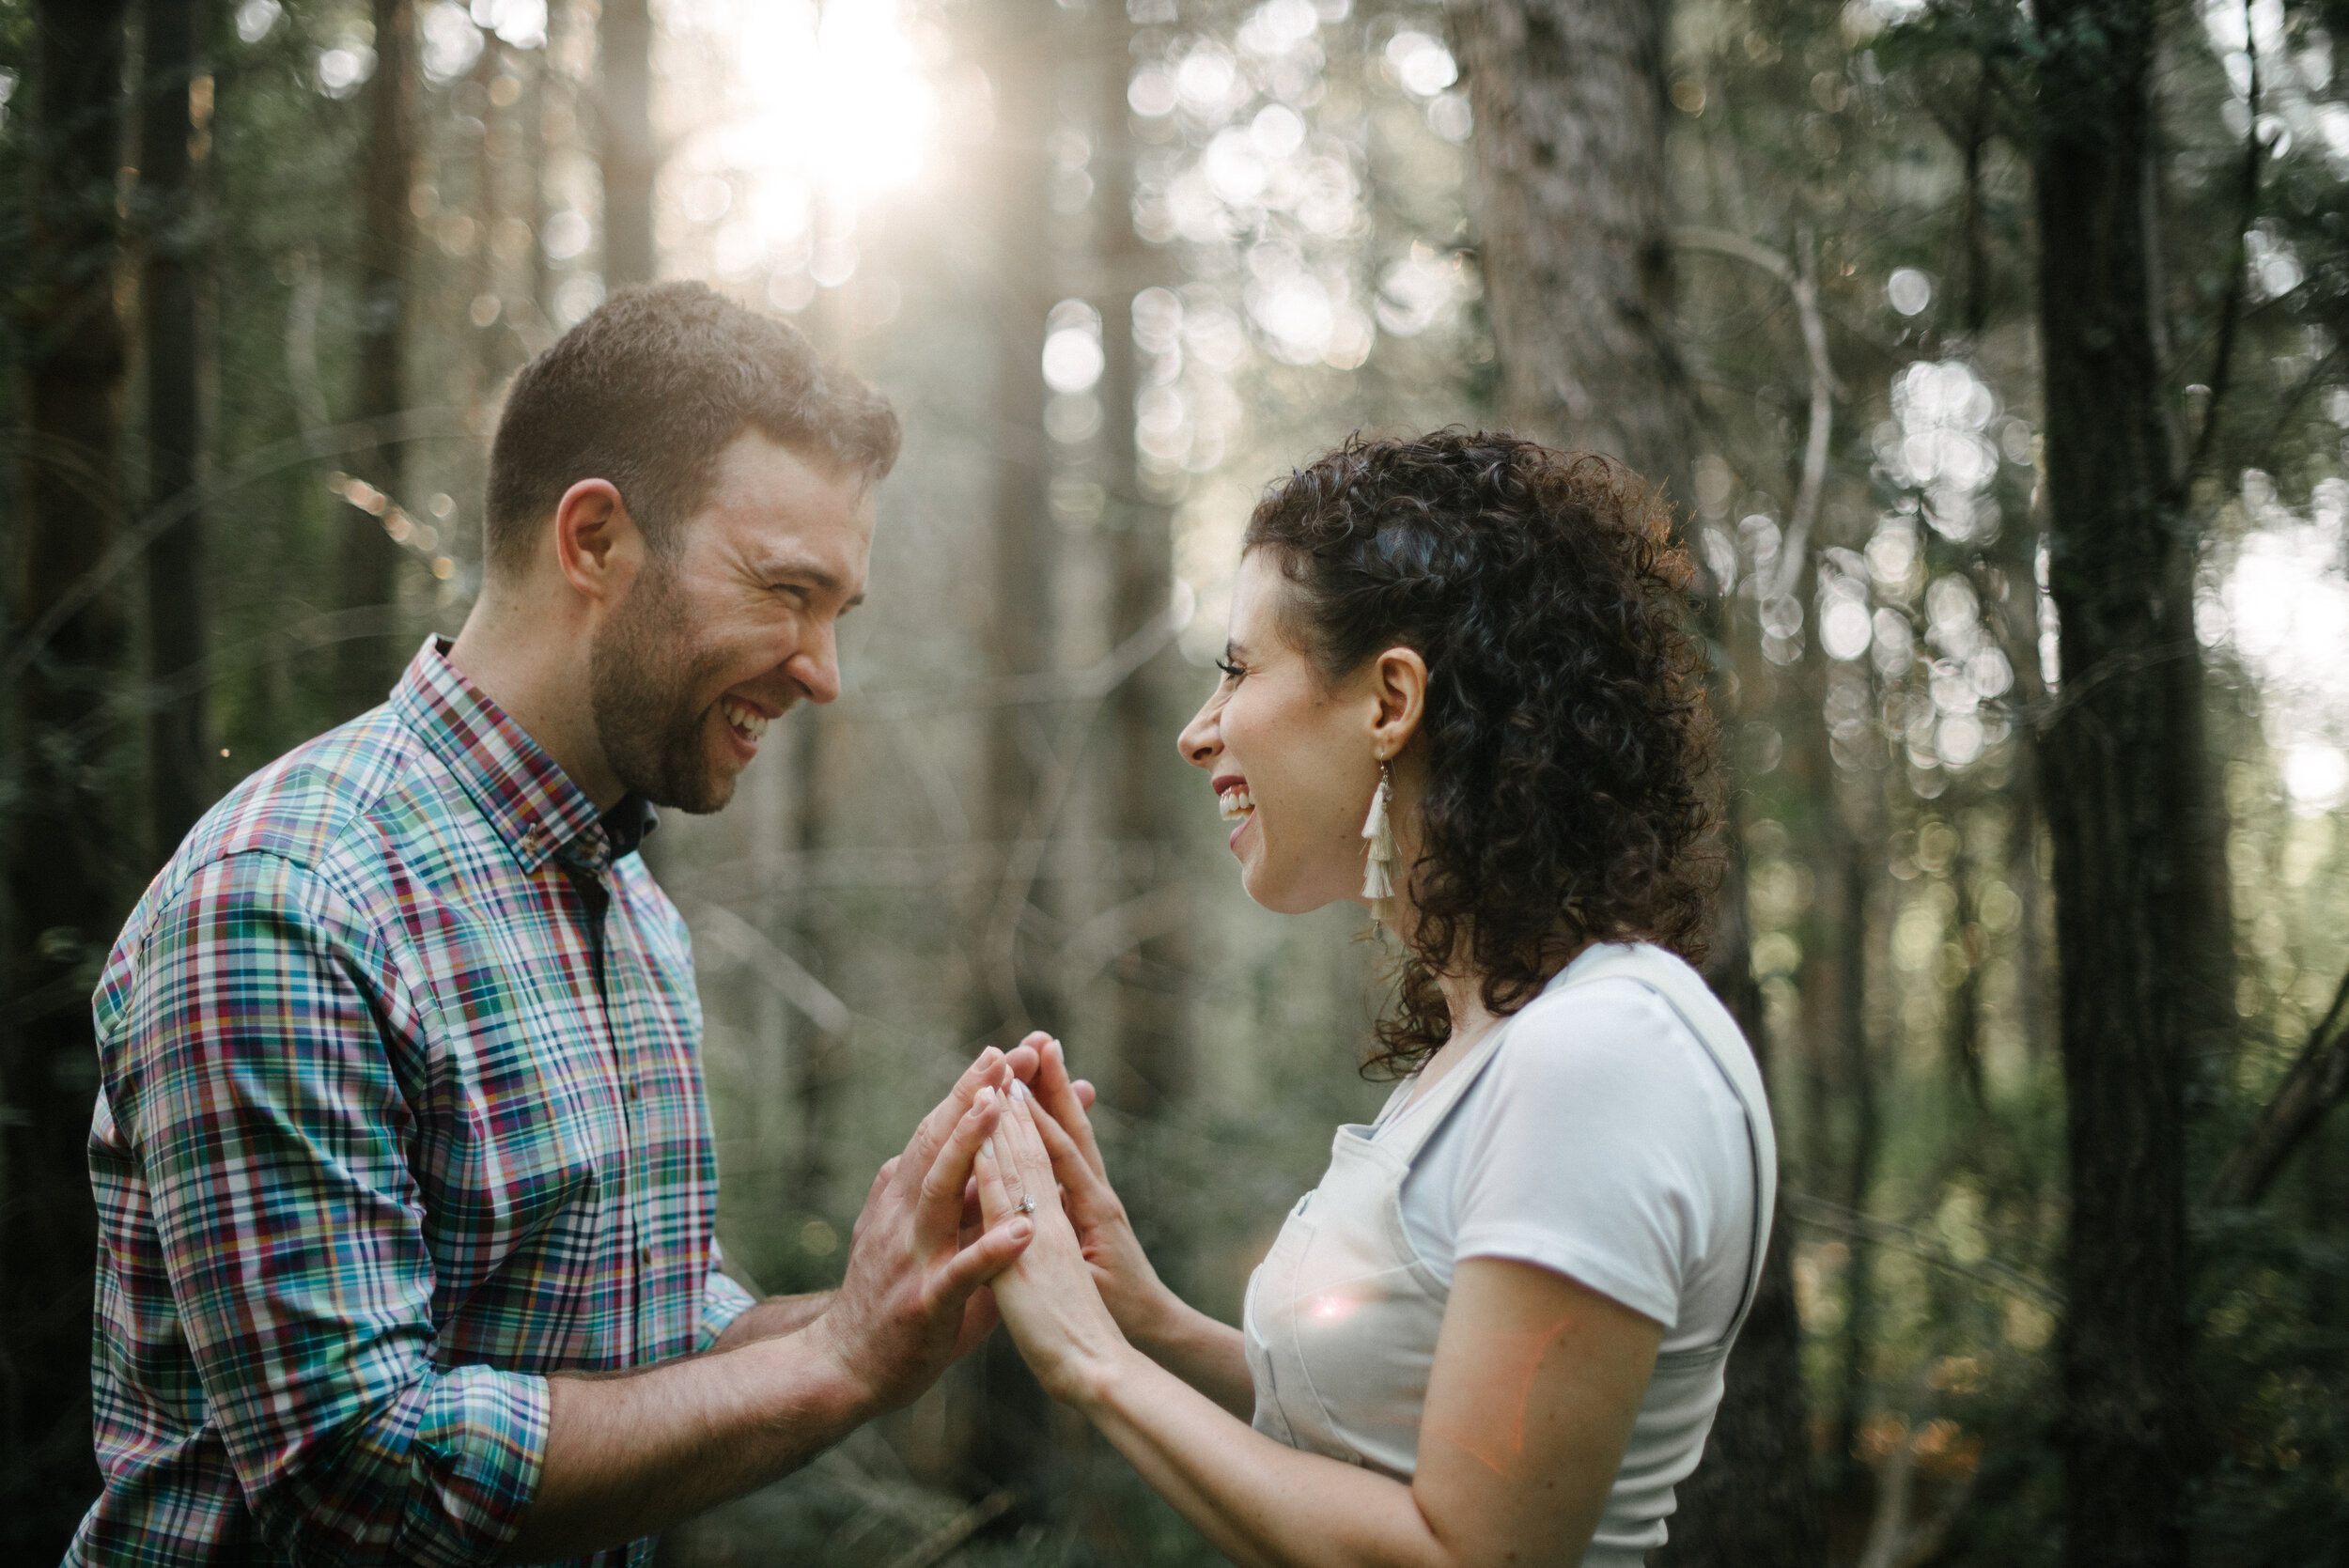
{"points": [[1378, 870]]}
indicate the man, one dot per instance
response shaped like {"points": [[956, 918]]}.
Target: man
{"points": [[402, 1153]]}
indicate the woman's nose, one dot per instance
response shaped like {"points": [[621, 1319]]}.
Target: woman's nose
{"points": [[1200, 742]]}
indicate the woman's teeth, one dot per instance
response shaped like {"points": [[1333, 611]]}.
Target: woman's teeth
{"points": [[751, 724], [1235, 803]]}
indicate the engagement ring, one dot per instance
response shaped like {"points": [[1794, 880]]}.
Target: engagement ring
{"points": [[1027, 1205]]}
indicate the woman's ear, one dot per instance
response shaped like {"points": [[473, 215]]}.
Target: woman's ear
{"points": [[1399, 681]]}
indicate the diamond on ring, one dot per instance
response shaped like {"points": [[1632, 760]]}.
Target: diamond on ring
{"points": [[1027, 1204]]}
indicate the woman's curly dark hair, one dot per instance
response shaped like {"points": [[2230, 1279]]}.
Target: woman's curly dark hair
{"points": [[1572, 781]]}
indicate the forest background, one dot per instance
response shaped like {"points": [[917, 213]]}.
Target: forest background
{"points": [[1992, 357]]}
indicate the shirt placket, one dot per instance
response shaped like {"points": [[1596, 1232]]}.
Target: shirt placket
{"points": [[587, 863]]}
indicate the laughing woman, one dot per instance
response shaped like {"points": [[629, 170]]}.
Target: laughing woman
{"points": [[1459, 689]]}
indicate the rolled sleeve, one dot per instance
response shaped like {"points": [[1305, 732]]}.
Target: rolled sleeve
{"points": [[262, 1084], [723, 1301]]}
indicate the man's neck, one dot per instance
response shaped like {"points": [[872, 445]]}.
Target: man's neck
{"points": [[538, 674]]}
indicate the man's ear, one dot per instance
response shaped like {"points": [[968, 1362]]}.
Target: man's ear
{"points": [[1399, 681], [597, 546]]}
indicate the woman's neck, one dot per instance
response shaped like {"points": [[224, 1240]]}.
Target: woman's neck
{"points": [[1464, 998]]}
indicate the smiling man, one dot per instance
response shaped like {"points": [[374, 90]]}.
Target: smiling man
{"points": [[401, 1152]]}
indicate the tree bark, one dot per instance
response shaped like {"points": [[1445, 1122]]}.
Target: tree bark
{"points": [[1153, 1055], [1011, 1446], [2116, 773], [65, 860], [624, 40], [1568, 100], [367, 565], [1568, 103], [179, 746]]}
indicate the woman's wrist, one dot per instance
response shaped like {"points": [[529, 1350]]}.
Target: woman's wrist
{"points": [[1155, 1319], [1091, 1381]]}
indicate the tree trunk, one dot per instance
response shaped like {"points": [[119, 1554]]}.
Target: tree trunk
{"points": [[368, 566], [1568, 100], [65, 840], [1019, 624], [2113, 770], [178, 773], [624, 40], [1011, 1445], [1153, 1055], [1859, 1082], [1568, 97]]}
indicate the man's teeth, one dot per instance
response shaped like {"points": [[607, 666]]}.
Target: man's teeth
{"points": [[752, 724], [1236, 803]]}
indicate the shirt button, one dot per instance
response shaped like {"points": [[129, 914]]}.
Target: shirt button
{"points": [[644, 1255], [634, 1089]]}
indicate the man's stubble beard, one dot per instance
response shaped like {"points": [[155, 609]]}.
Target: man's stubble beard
{"points": [[643, 673]]}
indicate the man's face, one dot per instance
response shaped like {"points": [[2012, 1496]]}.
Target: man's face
{"points": [[723, 636]]}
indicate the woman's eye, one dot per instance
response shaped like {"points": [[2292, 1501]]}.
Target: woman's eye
{"points": [[1231, 671]]}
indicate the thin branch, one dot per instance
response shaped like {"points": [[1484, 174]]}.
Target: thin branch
{"points": [[961, 1528], [1800, 276], [747, 944], [2230, 305], [408, 425], [2318, 1080], [1806, 512], [1823, 1215]]}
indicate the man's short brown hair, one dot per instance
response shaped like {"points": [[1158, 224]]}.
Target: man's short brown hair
{"points": [[647, 390]]}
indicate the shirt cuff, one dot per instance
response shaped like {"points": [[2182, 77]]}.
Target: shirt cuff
{"points": [[723, 1301], [474, 1464]]}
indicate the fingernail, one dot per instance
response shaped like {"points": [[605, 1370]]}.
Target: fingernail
{"points": [[983, 1099], [1018, 1090]]}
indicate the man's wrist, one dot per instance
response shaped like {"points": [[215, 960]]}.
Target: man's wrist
{"points": [[841, 1385]]}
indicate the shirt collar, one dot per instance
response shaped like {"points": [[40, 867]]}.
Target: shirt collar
{"points": [[526, 796]]}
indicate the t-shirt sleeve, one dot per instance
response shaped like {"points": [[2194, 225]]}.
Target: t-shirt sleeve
{"points": [[1609, 1149]]}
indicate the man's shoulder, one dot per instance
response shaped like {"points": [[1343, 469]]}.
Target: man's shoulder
{"points": [[311, 801], [328, 809]]}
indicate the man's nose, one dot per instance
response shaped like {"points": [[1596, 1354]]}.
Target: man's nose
{"points": [[816, 666]]}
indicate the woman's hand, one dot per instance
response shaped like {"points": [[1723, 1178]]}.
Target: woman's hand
{"points": [[1048, 1299], [1145, 1311]]}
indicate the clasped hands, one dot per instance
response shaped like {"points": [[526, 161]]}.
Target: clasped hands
{"points": [[944, 1247]]}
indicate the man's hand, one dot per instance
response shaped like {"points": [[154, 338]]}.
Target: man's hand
{"points": [[905, 1310]]}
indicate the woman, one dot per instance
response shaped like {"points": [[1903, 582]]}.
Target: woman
{"points": [[1460, 689]]}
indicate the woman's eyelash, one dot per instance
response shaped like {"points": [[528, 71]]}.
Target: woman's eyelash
{"points": [[1233, 671]]}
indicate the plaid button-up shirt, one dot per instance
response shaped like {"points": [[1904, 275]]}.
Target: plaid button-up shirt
{"points": [[401, 1109]]}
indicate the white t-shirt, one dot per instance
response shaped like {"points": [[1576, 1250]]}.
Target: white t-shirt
{"points": [[1603, 1143]]}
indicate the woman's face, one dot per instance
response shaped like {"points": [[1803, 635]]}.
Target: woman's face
{"points": [[1294, 759]]}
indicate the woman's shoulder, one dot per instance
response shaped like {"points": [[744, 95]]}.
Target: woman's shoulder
{"points": [[1612, 1054]]}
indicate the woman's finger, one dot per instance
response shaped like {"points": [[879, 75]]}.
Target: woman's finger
{"points": [[1059, 1096], [1022, 1144], [1076, 1177], [939, 1219]]}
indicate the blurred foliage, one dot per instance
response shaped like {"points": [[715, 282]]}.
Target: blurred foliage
{"points": [[1301, 178]]}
